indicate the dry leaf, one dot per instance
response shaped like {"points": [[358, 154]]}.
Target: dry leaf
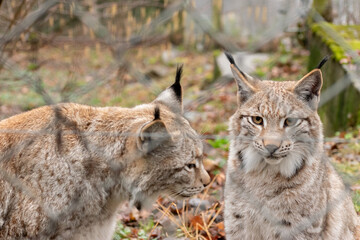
{"points": [[197, 222]]}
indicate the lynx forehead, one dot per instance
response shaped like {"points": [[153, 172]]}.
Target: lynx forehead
{"points": [[65, 169], [279, 184], [277, 101]]}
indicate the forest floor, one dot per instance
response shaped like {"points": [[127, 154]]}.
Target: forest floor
{"points": [[68, 71]]}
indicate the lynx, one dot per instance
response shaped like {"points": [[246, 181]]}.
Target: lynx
{"points": [[66, 168], [279, 183]]}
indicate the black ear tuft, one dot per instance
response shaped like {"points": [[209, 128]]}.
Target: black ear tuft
{"points": [[179, 71], [172, 96], [232, 61], [176, 87], [157, 113], [230, 58], [325, 59]]}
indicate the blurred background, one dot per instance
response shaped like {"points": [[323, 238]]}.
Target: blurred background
{"points": [[124, 52]]}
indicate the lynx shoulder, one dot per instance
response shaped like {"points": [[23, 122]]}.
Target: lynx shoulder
{"points": [[279, 183], [66, 168]]}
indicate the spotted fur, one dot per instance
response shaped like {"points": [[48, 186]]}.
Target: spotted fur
{"points": [[65, 169], [279, 183]]}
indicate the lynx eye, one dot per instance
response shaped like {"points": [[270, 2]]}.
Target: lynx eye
{"points": [[290, 122], [190, 166], [257, 120]]}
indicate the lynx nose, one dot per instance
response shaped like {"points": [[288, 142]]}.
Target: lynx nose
{"points": [[271, 148], [205, 178]]}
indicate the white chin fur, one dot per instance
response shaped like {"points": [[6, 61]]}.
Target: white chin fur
{"points": [[252, 160], [273, 162], [286, 166], [290, 164]]}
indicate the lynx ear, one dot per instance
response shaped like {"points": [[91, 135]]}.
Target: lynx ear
{"points": [[172, 96], [152, 134], [245, 88], [308, 88]]}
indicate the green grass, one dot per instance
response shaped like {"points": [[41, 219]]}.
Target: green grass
{"points": [[122, 232], [349, 172], [221, 143], [142, 232]]}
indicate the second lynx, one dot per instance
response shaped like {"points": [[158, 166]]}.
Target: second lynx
{"points": [[279, 183]]}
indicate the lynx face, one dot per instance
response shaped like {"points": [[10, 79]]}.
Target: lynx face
{"points": [[276, 126], [171, 151], [173, 168]]}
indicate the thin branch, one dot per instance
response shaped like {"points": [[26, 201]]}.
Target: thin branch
{"points": [[27, 22]]}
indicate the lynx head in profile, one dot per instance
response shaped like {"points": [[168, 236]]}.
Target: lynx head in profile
{"points": [[276, 126], [171, 150]]}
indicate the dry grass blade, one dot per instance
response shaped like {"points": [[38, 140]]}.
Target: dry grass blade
{"points": [[183, 211], [157, 222], [216, 214], [172, 218], [182, 219], [205, 193], [205, 227]]}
